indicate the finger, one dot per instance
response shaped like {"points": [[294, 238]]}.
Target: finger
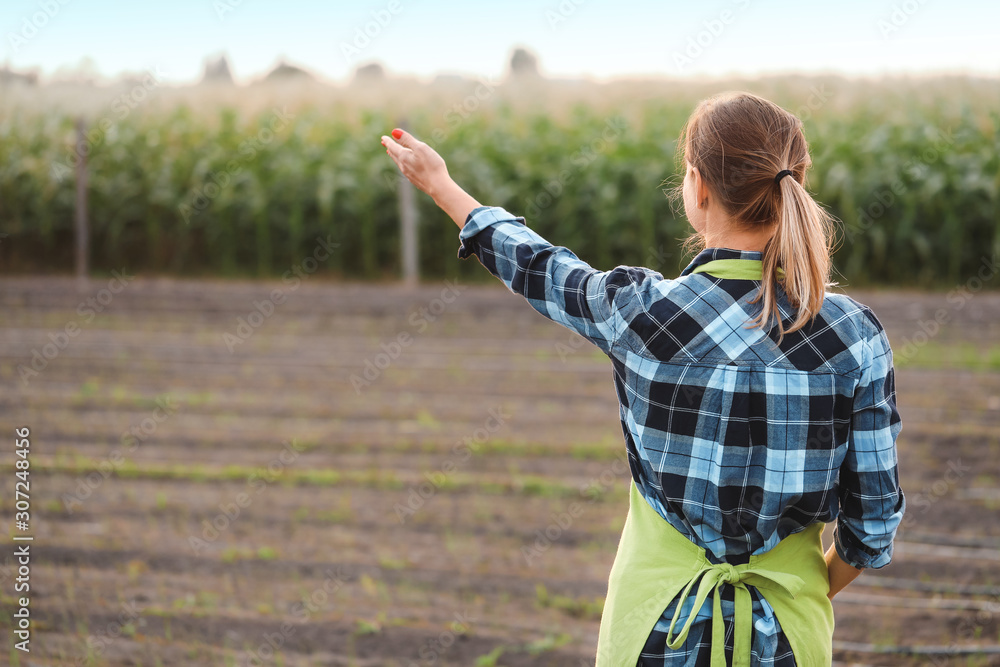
{"points": [[395, 151], [395, 160], [405, 138], [394, 148]]}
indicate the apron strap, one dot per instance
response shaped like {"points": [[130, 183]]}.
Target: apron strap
{"points": [[711, 578]]}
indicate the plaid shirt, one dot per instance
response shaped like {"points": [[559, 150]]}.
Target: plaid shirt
{"points": [[735, 440]]}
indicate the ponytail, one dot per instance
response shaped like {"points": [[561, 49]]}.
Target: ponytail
{"points": [[797, 257], [744, 146]]}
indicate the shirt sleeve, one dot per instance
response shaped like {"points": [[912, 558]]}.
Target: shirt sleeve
{"points": [[871, 501], [555, 281]]}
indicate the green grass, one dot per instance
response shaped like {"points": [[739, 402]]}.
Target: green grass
{"points": [[606, 450], [960, 355], [491, 658], [267, 553], [548, 643], [585, 608], [390, 563], [530, 485], [363, 627]]}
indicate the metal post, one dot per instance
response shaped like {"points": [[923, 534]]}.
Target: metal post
{"points": [[408, 226], [82, 232], [408, 223]]}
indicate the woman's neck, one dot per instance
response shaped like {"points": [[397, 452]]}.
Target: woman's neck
{"points": [[725, 233]]}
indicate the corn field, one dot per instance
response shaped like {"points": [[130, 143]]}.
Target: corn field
{"points": [[243, 182]]}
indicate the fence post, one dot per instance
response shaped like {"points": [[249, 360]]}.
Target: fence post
{"points": [[408, 220], [408, 228], [82, 232]]}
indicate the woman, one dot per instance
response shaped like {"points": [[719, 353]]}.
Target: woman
{"points": [[756, 406]]}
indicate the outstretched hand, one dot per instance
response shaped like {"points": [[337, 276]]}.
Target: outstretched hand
{"points": [[422, 166], [418, 162]]}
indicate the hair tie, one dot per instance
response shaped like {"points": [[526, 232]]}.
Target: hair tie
{"points": [[781, 175]]}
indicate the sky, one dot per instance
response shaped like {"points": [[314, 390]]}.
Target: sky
{"points": [[598, 39]]}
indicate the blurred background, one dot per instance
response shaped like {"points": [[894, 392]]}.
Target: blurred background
{"points": [[273, 418]]}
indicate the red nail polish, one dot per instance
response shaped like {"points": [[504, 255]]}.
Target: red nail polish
{"points": [[397, 133]]}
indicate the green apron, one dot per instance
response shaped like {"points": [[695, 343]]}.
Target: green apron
{"points": [[655, 562]]}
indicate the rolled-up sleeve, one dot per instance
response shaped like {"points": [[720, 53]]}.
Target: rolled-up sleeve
{"points": [[871, 501], [555, 281]]}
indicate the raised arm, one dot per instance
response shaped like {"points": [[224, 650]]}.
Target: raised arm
{"points": [[555, 281]]}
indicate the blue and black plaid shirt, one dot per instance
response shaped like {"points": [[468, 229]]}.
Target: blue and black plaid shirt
{"points": [[733, 439]]}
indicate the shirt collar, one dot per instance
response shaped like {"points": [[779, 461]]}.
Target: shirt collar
{"points": [[710, 254]]}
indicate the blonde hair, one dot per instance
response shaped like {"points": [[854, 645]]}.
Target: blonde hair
{"points": [[740, 142]]}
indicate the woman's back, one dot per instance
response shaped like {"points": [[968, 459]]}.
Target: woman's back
{"points": [[738, 441]]}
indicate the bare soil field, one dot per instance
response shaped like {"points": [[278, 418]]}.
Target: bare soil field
{"points": [[258, 473]]}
